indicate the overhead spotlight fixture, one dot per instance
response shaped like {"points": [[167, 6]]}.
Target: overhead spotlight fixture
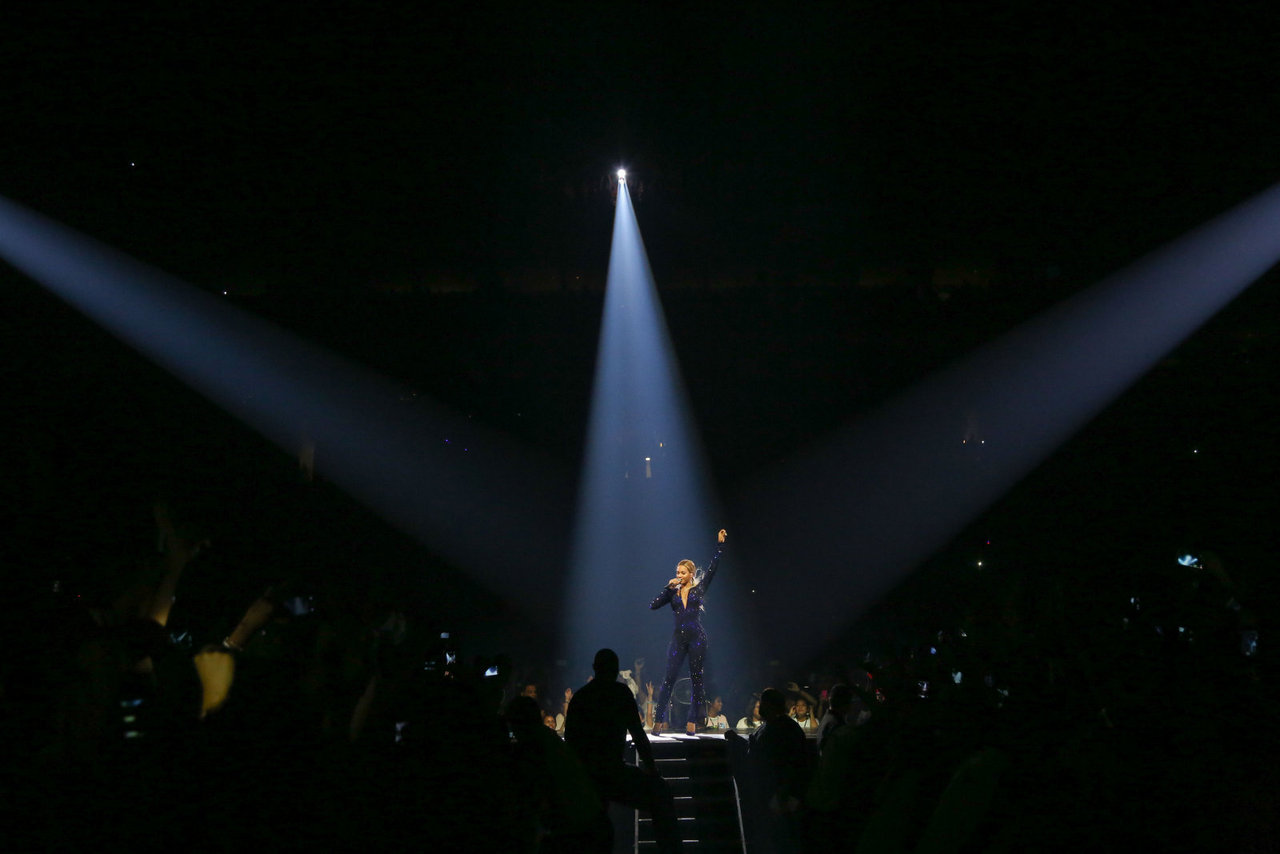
{"points": [[622, 174]]}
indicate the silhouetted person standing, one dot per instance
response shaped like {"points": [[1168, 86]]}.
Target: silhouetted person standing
{"points": [[777, 773], [553, 782], [838, 715], [600, 715]]}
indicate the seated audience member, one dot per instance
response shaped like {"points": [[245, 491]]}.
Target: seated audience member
{"points": [[715, 715], [751, 719], [800, 714]]}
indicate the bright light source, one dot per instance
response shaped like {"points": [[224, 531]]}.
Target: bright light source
{"points": [[622, 174]]}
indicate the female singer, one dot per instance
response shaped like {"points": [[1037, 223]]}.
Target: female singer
{"points": [[686, 593]]}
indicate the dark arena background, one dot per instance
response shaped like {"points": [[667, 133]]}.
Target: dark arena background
{"points": [[350, 392]]}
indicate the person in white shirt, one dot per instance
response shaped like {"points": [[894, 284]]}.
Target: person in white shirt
{"points": [[803, 716], [751, 719], [715, 717]]}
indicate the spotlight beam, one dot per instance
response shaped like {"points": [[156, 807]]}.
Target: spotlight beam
{"points": [[644, 498], [862, 509], [467, 493]]}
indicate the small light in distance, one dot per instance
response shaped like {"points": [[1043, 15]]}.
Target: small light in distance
{"points": [[622, 175]]}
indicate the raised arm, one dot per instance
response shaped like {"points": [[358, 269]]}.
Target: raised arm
{"points": [[714, 564]]}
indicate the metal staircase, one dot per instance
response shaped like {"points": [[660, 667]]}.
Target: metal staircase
{"points": [[706, 797]]}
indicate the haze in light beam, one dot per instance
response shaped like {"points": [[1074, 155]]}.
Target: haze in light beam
{"points": [[644, 502], [889, 490], [470, 495]]}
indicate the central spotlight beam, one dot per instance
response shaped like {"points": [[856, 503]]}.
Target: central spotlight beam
{"points": [[644, 501], [866, 507], [464, 492]]}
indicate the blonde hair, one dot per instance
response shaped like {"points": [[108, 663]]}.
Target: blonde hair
{"points": [[687, 564]]}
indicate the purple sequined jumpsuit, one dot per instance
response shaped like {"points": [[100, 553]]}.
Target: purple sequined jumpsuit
{"points": [[689, 639]]}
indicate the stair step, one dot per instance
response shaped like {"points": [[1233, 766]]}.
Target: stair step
{"points": [[698, 774], [701, 819]]}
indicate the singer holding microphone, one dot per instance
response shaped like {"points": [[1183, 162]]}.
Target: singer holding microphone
{"points": [[686, 593]]}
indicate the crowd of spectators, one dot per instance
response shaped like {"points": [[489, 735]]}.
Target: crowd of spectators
{"points": [[182, 710]]}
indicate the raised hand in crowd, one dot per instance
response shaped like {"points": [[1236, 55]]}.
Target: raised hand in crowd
{"points": [[217, 671], [255, 617], [179, 548]]}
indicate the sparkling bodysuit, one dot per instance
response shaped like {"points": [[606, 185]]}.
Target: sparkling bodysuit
{"points": [[688, 640]]}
